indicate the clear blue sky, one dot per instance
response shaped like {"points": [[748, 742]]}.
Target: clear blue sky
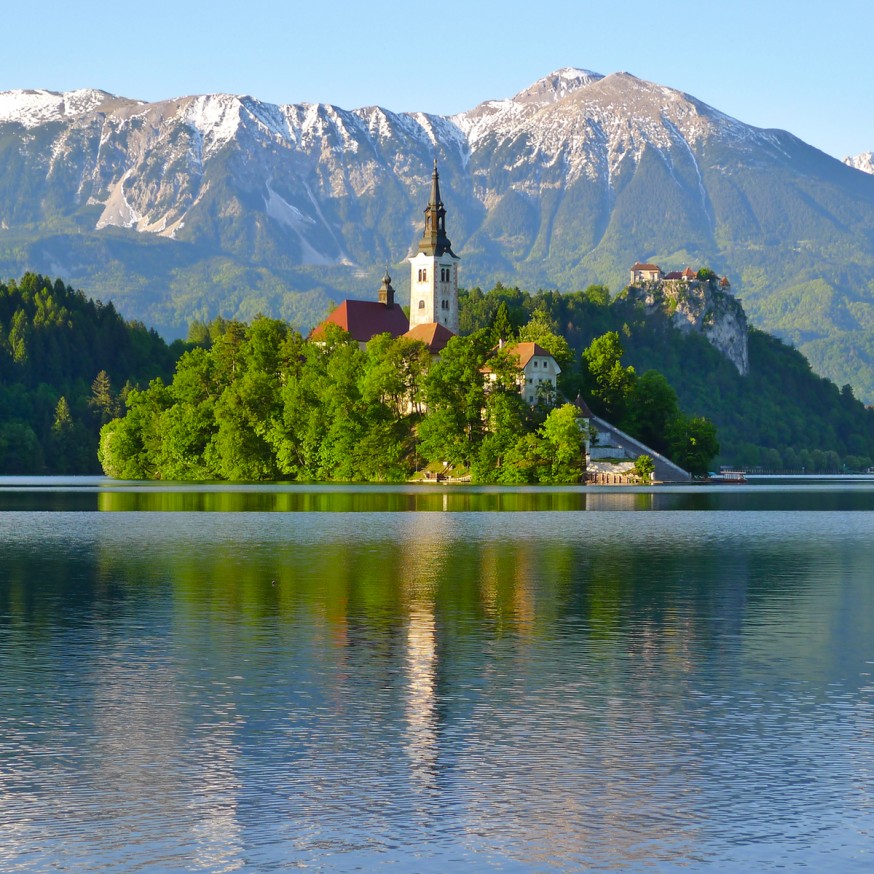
{"points": [[804, 67]]}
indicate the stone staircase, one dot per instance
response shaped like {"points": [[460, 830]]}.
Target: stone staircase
{"points": [[665, 469]]}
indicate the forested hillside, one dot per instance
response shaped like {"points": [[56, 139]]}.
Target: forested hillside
{"points": [[781, 415], [66, 363]]}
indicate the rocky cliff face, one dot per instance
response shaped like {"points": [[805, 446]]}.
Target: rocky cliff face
{"points": [[700, 306]]}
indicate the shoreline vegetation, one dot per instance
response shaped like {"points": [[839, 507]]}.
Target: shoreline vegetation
{"points": [[258, 402]]}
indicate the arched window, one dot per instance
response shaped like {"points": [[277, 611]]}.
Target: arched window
{"points": [[421, 304], [424, 276]]}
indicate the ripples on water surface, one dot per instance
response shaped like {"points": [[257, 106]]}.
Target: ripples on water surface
{"points": [[257, 690]]}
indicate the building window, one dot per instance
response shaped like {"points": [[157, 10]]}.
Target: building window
{"points": [[424, 276], [421, 304]]}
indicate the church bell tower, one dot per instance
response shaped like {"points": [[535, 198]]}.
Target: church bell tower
{"points": [[434, 269]]}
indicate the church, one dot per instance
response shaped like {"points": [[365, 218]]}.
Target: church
{"points": [[433, 291]]}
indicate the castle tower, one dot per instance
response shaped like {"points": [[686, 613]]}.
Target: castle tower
{"points": [[434, 269]]}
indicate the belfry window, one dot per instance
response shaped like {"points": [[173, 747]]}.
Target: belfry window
{"points": [[421, 304]]}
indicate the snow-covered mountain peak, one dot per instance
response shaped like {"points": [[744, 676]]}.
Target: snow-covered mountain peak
{"points": [[863, 162], [34, 107], [556, 86], [216, 117]]}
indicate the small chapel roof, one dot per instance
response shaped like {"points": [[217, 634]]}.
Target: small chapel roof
{"points": [[364, 319]]}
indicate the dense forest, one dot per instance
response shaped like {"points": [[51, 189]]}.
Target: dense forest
{"points": [[66, 363], [258, 402]]}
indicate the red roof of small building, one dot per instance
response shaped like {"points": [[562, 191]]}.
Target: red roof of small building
{"points": [[364, 319], [689, 273], [674, 274], [640, 266], [434, 335], [724, 282], [524, 352]]}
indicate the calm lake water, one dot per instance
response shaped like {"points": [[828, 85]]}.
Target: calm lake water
{"points": [[436, 678]]}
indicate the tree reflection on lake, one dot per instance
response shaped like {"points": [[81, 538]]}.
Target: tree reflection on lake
{"points": [[266, 687]]}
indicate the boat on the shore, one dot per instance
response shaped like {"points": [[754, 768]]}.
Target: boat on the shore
{"points": [[727, 477]]}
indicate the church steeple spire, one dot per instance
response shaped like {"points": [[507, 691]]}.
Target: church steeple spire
{"points": [[434, 241], [434, 269], [386, 292]]}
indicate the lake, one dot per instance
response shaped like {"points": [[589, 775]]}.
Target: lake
{"points": [[429, 678]]}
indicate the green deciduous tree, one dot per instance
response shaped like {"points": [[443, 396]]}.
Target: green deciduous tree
{"points": [[566, 442], [644, 467], [541, 330], [453, 426], [693, 443], [652, 406], [607, 382]]}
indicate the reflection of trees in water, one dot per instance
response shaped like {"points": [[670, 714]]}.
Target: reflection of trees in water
{"points": [[557, 698]]}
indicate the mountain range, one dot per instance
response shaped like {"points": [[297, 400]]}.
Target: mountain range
{"points": [[221, 204]]}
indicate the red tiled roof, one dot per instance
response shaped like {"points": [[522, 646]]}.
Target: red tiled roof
{"points": [[724, 281], [526, 351], [364, 319], [689, 273], [434, 335], [640, 266], [674, 274]]}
